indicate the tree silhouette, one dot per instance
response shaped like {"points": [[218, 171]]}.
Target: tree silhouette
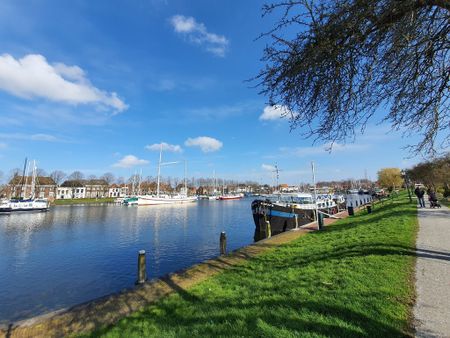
{"points": [[332, 64]]}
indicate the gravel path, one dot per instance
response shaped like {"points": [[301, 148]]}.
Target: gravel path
{"points": [[432, 308]]}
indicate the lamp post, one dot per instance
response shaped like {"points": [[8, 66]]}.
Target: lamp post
{"points": [[405, 177]]}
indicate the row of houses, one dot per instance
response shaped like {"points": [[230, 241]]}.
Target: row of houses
{"points": [[45, 187]]}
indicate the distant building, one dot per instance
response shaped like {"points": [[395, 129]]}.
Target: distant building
{"points": [[71, 189], [289, 188], [96, 188], [118, 190], [21, 187]]}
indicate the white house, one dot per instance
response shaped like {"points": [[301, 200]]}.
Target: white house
{"points": [[71, 189], [118, 190]]}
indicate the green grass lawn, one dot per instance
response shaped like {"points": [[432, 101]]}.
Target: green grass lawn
{"points": [[353, 279], [83, 201]]}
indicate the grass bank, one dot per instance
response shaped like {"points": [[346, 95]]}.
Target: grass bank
{"points": [[83, 201], [445, 201], [353, 279]]}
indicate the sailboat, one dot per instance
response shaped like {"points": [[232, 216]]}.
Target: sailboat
{"points": [[228, 196], [30, 204], [164, 198]]}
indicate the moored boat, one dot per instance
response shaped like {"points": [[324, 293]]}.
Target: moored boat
{"points": [[25, 205], [130, 201], [165, 199], [288, 211], [30, 204], [230, 197]]}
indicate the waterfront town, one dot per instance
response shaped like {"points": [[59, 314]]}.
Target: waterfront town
{"points": [[104, 187]]}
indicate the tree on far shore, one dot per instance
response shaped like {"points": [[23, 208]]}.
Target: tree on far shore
{"points": [[332, 64], [108, 177], [76, 176], [390, 178], [58, 176]]}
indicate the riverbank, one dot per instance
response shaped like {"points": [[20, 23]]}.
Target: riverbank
{"points": [[353, 279], [82, 201]]}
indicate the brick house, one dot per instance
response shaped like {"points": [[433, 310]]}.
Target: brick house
{"points": [[20, 186], [97, 188]]}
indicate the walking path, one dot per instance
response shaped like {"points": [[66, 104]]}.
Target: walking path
{"points": [[432, 308]]}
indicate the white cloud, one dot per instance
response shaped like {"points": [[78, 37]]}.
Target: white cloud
{"points": [[129, 161], [322, 149], [267, 167], [175, 148], [197, 33], [206, 144], [33, 77], [3, 145], [275, 112]]}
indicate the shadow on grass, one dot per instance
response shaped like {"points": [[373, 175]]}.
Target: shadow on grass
{"points": [[260, 317], [267, 313]]}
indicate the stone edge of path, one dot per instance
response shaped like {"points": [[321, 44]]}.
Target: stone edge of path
{"points": [[107, 310]]}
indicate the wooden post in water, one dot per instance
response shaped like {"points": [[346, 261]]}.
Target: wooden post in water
{"points": [[142, 273], [223, 243], [320, 220], [268, 230]]}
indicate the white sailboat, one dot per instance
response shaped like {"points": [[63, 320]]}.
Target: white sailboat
{"points": [[30, 204], [164, 198]]}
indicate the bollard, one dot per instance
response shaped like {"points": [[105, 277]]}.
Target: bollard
{"points": [[223, 243], [369, 209], [350, 210], [268, 230], [142, 274], [262, 230], [320, 220]]}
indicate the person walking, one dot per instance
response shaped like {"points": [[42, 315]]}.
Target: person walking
{"points": [[432, 198], [419, 192]]}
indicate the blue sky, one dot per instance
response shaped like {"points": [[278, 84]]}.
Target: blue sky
{"points": [[96, 85]]}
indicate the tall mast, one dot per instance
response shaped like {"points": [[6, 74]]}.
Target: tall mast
{"points": [[314, 179], [23, 179], [185, 182], [140, 181], [33, 180], [159, 170], [214, 178], [315, 190]]}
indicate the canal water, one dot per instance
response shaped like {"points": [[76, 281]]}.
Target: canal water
{"points": [[73, 254]]}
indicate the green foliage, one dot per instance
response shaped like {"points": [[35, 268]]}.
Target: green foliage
{"points": [[390, 178], [434, 173], [353, 279], [83, 201]]}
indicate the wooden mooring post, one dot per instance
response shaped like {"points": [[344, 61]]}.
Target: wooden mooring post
{"points": [[268, 230], [320, 220], [142, 273], [223, 243]]}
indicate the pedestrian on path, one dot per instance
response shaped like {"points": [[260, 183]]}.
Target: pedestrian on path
{"points": [[419, 192]]}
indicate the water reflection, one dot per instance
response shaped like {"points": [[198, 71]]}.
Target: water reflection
{"points": [[72, 254]]}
